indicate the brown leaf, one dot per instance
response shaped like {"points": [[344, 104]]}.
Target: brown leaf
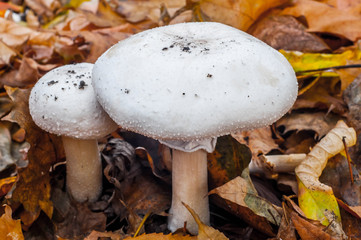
{"points": [[242, 199], [6, 54], [325, 95], [95, 235], [10, 229], [285, 32], [137, 11], [317, 122], [33, 186], [240, 14], [161, 236], [307, 229], [259, 140], [344, 22], [227, 161], [74, 220]]}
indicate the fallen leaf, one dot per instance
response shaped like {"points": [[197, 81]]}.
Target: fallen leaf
{"points": [[240, 14], [285, 32], [318, 204], [318, 122], [344, 22], [10, 229], [308, 229], [313, 61], [240, 196], [205, 232], [259, 140], [227, 161], [6, 184], [43, 153], [95, 235], [141, 10], [161, 236], [74, 220]]}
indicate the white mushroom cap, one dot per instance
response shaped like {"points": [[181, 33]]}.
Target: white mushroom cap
{"points": [[192, 81], [63, 102]]}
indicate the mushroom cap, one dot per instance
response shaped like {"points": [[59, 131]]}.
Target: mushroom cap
{"points": [[192, 81], [63, 102]]}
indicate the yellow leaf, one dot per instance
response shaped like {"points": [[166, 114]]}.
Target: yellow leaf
{"points": [[311, 61], [205, 232], [318, 204], [10, 229]]}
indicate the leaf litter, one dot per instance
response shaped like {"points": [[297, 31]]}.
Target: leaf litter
{"points": [[137, 172]]}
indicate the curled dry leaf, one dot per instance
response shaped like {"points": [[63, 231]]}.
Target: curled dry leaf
{"points": [[316, 199], [311, 168]]}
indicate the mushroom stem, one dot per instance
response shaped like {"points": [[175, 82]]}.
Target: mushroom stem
{"points": [[189, 185], [83, 169]]}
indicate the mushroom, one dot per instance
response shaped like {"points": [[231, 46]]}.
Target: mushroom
{"points": [[63, 102], [185, 85]]}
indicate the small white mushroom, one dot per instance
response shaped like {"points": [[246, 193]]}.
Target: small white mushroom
{"points": [[187, 84], [63, 102]]}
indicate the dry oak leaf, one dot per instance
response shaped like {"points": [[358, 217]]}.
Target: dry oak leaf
{"points": [[10, 229], [322, 17], [240, 14], [33, 186], [285, 32]]}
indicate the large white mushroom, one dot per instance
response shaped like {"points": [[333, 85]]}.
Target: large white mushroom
{"points": [[187, 84], [63, 102]]}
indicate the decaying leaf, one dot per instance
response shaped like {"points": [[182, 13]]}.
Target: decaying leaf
{"points": [[10, 229], [311, 168], [306, 228], [316, 199], [95, 235], [161, 236], [259, 140], [33, 186], [285, 32], [227, 161], [240, 196], [317, 122]]}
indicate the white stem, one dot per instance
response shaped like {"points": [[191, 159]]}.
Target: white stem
{"points": [[83, 169], [189, 185], [276, 163]]}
